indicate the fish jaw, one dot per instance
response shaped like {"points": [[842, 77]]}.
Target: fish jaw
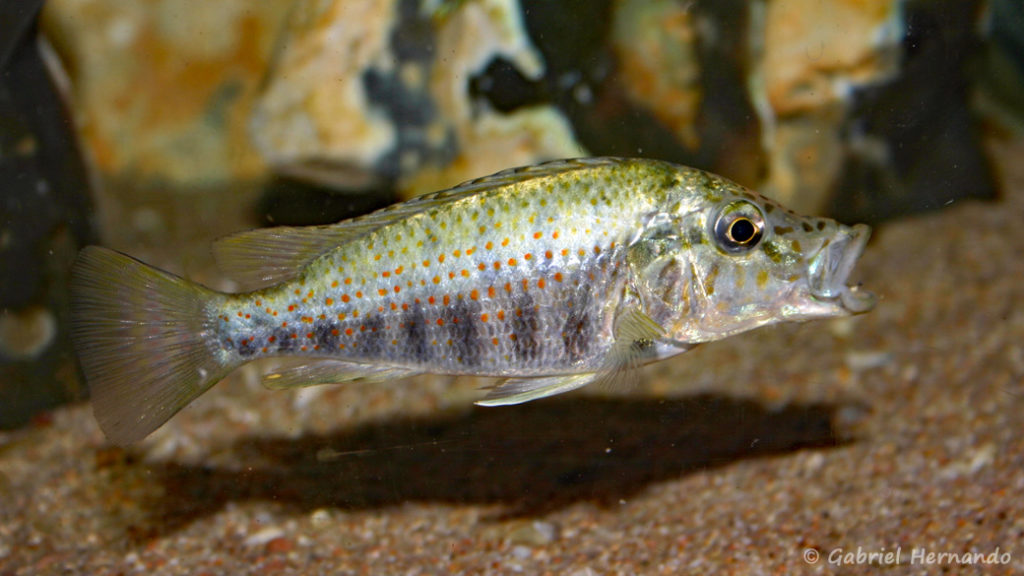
{"points": [[830, 268]]}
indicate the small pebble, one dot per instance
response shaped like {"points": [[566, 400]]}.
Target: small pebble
{"points": [[264, 536]]}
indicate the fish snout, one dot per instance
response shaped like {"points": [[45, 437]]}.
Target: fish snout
{"points": [[830, 269]]}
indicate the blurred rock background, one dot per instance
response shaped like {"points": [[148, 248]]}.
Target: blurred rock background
{"points": [[201, 118]]}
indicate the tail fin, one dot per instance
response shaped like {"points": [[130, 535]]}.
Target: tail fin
{"points": [[144, 340]]}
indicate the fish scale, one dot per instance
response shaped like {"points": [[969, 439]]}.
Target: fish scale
{"points": [[470, 287], [551, 276]]}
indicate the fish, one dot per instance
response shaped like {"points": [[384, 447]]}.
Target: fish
{"points": [[548, 277]]}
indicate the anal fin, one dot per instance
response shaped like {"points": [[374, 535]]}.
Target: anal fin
{"points": [[299, 373], [519, 390]]}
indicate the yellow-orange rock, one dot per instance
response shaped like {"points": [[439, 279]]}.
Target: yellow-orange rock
{"points": [[163, 89]]}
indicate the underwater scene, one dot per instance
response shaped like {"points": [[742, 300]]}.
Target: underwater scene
{"points": [[511, 287]]}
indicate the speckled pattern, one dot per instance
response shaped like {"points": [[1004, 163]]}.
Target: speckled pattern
{"points": [[896, 430]]}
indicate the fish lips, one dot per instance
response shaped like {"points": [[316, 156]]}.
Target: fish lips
{"points": [[831, 266]]}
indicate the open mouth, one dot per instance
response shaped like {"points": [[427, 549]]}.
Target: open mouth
{"points": [[831, 267]]}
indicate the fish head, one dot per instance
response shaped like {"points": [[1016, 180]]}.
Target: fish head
{"points": [[734, 261]]}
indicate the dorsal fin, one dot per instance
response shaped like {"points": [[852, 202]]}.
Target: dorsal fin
{"points": [[265, 256], [258, 258]]}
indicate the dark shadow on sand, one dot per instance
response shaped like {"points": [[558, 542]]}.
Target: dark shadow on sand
{"points": [[532, 458]]}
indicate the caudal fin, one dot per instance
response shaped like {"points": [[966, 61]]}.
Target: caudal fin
{"points": [[144, 340]]}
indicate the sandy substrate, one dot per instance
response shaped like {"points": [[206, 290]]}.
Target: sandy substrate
{"points": [[787, 450]]}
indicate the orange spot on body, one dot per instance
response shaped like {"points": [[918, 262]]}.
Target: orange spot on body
{"points": [[398, 289], [437, 279], [329, 301], [473, 294], [497, 265], [501, 315], [555, 234], [511, 261], [527, 256], [348, 331], [484, 317], [334, 284], [540, 283], [537, 235], [465, 273], [489, 245], [558, 276], [440, 322], [382, 292], [548, 254], [446, 300], [345, 298], [490, 291], [430, 299], [385, 273]]}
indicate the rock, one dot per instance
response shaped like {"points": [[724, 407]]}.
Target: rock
{"points": [[44, 217], [812, 57], [365, 92], [162, 90], [656, 45]]}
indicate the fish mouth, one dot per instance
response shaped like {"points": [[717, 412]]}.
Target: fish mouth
{"points": [[832, 265]]}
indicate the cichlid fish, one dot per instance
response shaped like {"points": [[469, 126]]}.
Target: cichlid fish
{"points": [[551, 276]]}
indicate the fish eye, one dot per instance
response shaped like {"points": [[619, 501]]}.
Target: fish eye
{"points": [[739, 227]]}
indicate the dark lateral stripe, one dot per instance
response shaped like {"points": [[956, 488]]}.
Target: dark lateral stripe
{"points": [[577, 331], [460, 320], [414, 331], [326, 335], [371, 337], [283, 340], [524, 329]]}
